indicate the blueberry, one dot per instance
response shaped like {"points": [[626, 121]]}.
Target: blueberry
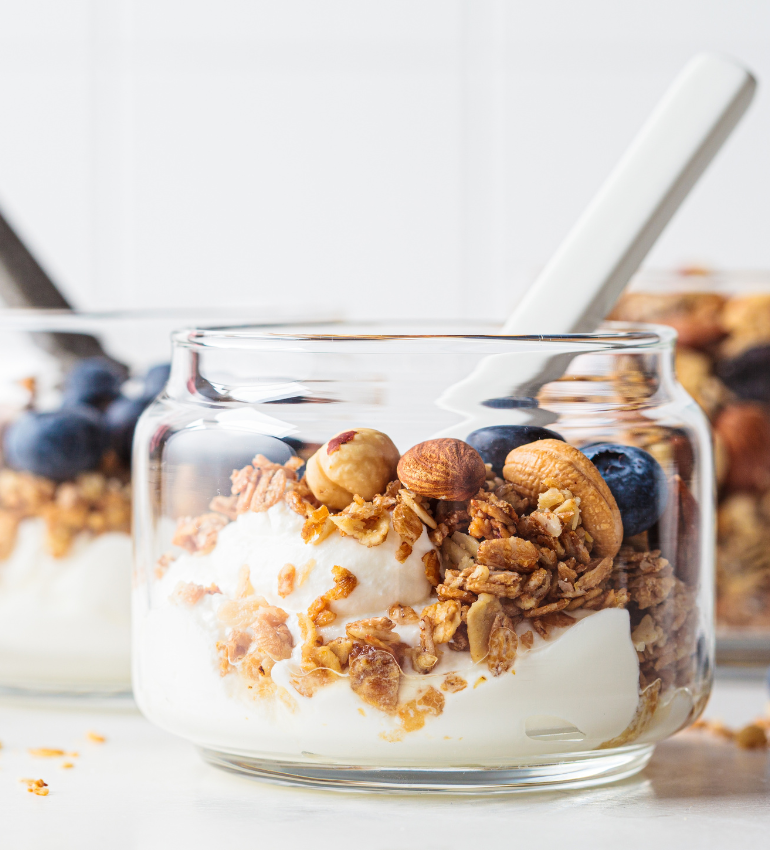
{"points": [[494, 443], [120, 420], [95, 381], [510, 402], [637, 482], [57, 445], [156, 379], [748, 374]]}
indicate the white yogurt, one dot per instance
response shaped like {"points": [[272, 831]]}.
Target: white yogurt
{"points": [[65, 622], [565, 695]]}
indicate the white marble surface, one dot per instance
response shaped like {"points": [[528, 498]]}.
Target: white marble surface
{"points": [[144, 789]]}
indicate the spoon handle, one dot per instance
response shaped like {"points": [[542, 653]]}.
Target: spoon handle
{"points": [[587, 274]]}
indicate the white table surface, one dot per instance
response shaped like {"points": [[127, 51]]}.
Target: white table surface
{"points": [[145, 789]]}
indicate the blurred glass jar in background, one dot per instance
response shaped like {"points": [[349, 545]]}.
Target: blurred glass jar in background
{"points": [[72, 387], [341, 579], [723, 360]]}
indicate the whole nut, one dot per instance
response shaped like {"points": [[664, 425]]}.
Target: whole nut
{"points": [[744, 429], [528, 467], [358, 462], [444, 469]]}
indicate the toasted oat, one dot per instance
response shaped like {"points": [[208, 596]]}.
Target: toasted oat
{"points": [[503, 644], [413, 714], [375, 677], [453, 683], [551, 608], [527, 639], [226, 505], [271, 633], [240, 613], [367, 522], [751, 737], [403, 615], [432, 567], [491, 517], [408, 525], [318, 526], [198, 535], [95, 737], [374, 631], [238, 644], [344, 584], [481, 618], [261, 485], [163, 563], [286, 580], [444, 618], [46, 752], [341, 647], [188, 593], [415, 504], [594, 577], [36, 786], [511, 553]]}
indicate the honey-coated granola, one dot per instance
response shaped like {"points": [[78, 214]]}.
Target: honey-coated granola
{"points": [[93, 503], [500, 560]]}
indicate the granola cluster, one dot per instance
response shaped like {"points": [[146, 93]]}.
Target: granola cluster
{"points": [[723, 361], [93, 503], [503, 568]]}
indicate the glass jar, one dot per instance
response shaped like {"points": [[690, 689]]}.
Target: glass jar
{"points": [[383, 561], [723, 361], [71, 389]]}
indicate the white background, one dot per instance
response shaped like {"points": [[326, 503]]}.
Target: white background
{"points": [[393, 157]]}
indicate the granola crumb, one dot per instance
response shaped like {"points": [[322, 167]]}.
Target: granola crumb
{"points": [[36, 786], [453, 683], [480, 681], [751, 737], [67, 765], [95, 737], [286, 580], [46, 752]]}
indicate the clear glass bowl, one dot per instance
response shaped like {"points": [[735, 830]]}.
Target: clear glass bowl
{"points": [[333, 587], [723, 360], [65, 492]]}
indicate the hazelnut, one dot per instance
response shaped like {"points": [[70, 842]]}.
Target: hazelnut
{"points": [[357, 462], [444, 469], [744, 429]]}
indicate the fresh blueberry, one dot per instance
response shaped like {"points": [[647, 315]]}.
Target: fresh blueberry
{"points": [[748, 374], [95, 381], [510, 402], [120, 420], [637, 482], [57, 445], [494, 443], [156, 379]]}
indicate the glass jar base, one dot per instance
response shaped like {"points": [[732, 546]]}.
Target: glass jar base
{"points": [[90, 696], [578, 770]]}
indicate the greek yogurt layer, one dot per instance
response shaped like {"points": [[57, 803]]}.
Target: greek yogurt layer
{"points": [[570, 693], [65, 622]]}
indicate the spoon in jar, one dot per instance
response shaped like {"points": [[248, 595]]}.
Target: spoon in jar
{"points": [[592, 266]]}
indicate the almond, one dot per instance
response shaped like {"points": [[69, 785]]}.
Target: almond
{"points": [[445, 469], [529, 467]]}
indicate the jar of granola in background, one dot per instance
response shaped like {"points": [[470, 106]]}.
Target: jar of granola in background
{"points": [[72, 387], [723, 361], [360, 564]]}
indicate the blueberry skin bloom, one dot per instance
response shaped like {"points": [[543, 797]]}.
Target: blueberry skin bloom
{"points": [[57, 445], [637, 482], [495, 442], [95, 381]]}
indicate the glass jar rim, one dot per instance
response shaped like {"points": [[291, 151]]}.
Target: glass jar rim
{"points": [[611, 335]]}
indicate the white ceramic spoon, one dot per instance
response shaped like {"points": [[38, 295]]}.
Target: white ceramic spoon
{"points": [[587, 274]]}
